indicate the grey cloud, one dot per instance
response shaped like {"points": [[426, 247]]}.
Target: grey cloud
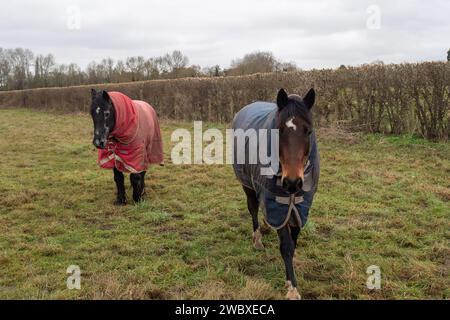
{"points": [[314, 34]]}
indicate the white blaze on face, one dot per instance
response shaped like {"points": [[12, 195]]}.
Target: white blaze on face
{"points": [[97, 110], [290, 124]]}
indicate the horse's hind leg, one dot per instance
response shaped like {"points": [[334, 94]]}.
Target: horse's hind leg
{"points": [[143, 183], [253, 207], [120, 184], [138, 184]]}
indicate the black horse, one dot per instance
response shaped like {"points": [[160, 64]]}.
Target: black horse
{"points": [[287, 194], [128, 137]]}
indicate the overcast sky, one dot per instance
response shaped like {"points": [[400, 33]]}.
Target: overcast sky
{"points": [[313, 34]]}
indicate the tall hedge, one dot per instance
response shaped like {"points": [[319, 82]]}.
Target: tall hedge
{"points": [[403, 98]]}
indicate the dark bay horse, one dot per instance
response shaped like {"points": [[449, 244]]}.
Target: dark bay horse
{"points": [[128, 138], [287, 193]]}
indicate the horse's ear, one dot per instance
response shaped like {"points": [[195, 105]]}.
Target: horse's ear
{"points": [[105, 95], [282, 99], [309, 98], [93, 93]]}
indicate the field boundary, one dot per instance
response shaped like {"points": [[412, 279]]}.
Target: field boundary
{"points": [[398, 99]]}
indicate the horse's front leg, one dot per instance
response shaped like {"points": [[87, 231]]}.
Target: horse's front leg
{"points": [[138, 184], [287, 248], [253, 207], [120, 184]]}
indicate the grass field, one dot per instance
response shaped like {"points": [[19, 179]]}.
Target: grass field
{"points": [[382, 201]]}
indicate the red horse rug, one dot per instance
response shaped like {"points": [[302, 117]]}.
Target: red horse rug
{"points": [[135, 142]]}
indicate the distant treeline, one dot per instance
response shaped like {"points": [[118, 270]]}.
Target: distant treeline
{"points": [[377, 98], [22, 69]]}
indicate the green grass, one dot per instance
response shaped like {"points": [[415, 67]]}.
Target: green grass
{"points": [[381, 201]]}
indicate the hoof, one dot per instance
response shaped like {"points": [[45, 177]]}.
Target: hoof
{"points": [[292, 293], [139, 198], [120, 202], [257, 240]]}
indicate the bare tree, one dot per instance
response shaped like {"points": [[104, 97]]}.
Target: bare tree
{"points": [[178, 60], [16, 69], [253, 63], [5, 68], [108, 69], [214, 71], [164, 64], [135, 66], [151, 69], [91, 72], [42, 68], [59, 75], [120, 73], [286, 66], [259, 62], [20, 62], [75, 76]]}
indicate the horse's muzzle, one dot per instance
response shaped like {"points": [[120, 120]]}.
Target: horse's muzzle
{"points": [[292, 185], [99, 143]]}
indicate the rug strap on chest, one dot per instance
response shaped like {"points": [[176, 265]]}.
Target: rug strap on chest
{"points": [[284, 210]]}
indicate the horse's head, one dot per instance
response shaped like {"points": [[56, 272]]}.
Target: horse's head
{"points": [[103, 116], [294, 121]]}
